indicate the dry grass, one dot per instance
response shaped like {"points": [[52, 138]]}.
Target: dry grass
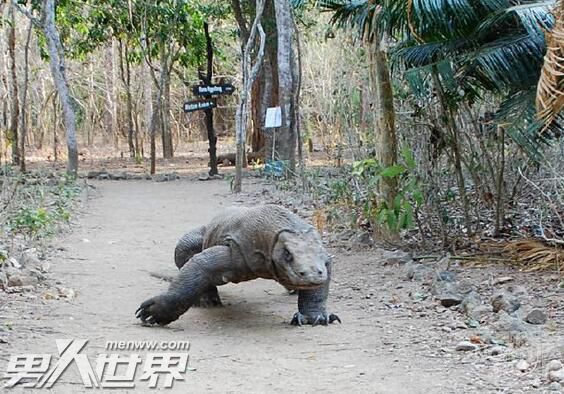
{"points": [[533, 255], [318, 219]]}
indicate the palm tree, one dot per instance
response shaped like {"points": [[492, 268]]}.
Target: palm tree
{"points": [[368, 18], [481, 46], [462, 50]]}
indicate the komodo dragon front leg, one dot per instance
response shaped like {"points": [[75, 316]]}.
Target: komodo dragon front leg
{"points": [[188, 246], [212, 267], [311, 305]]}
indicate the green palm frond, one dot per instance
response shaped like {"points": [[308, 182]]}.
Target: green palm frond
{"points": [[535, 18], [476, 46], [444, 12], [419, 81], [356, 14], [516, 114], [413, 54], [509, 62]]}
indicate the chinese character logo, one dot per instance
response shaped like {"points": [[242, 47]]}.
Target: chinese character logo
{"points": [[112, 370]]}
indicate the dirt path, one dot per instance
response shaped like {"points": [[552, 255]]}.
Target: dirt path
{"points": [[130, 228]]}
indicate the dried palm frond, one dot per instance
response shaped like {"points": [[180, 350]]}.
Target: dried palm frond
{"points": [[533, 255], [550, 90]]}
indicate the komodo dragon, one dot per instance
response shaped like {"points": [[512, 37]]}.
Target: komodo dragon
{"points": [[241, 244]]}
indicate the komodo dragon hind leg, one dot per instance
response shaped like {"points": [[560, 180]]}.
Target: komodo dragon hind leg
{"points": [[189, 245], [209, 299], [204, 271]]}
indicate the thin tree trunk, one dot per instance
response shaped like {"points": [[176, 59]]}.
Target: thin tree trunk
{"points": [[55, 141], [500, 189], [385, 136], [269, 97], [116, 129], [153, 128], [249, 76], [164, 106], [455, 145], [207, 79], [23, 112], [297, 79], [125, 71], [57, 62], [13, 87]]}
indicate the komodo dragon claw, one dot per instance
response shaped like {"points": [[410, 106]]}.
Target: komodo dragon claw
{"points": [[320, 318], [157, 310]]}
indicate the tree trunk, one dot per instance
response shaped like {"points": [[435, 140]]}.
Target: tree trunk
{"points": [[125, 71], [23, 112], [164, 106], [13, 87], [55, 124], [154, 125], [257, 118], [207, 80], [265, 88], [385, 136], [57, 63], [168, 150], [270, 94], [456, 156], [250, 73], [297, 82], [499, 214], [285, 135], [116, 129]]}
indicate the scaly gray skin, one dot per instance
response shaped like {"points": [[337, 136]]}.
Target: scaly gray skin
{"points": [[242, 244]]}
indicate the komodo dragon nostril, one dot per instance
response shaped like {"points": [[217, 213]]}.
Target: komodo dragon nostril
{"points": [[302, 273]]}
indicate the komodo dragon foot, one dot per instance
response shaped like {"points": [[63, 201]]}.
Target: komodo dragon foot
{"points": [[158, 310], [314, 319]]}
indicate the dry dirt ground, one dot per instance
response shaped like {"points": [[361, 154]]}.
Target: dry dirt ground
{"points": [[390, 341]]}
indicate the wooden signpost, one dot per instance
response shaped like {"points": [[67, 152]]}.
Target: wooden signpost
{"points": [[208, 91], [213, 90], [197, 105]]}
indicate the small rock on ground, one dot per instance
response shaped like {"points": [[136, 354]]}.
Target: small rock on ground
{"points": [[397, 257], [522, 365], [556, 376], [22, 280], [554, 365], [504, 301], [536, 316], [466, 346]]}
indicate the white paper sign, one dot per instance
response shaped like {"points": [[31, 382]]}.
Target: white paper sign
{"points": [[273, 117]]}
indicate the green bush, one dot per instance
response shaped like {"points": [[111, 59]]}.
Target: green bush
{"points": [[30, 221]]}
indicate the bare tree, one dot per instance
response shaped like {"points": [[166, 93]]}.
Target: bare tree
{"points": [[58, 71], [23, 111], [13, 87], [250, 73]]}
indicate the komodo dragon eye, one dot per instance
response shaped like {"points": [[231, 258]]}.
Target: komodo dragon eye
{"points": [[288, 256]]}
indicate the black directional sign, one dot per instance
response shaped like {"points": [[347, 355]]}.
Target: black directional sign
{"points": [[197, 105], [213, 90]]}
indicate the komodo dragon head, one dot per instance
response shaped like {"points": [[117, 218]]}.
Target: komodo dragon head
{"points": [[299, 259]]}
